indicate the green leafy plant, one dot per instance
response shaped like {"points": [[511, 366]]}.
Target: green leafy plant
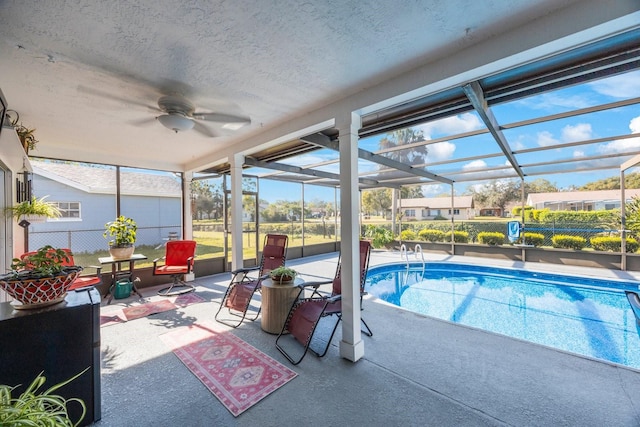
{"points": [[492, 238], [408, 235], [460, 236], [380, 236], [535, 239], [613, 244], [38, 408], [35, 206], [45, 262], [283, 274], [121, 231], [431, 235], [568, 242]]}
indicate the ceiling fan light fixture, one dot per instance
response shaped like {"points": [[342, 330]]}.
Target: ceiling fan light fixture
{"points": [[176, 122]]}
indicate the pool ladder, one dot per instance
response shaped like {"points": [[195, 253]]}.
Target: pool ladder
{"points": [[404, 255]]}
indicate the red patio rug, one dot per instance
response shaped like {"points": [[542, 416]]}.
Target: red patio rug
{"points": [[238, 374], [143, 310]]}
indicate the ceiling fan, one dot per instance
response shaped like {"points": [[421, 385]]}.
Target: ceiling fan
{"points": [[180, 115]]}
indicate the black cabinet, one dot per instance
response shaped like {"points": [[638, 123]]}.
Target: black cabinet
{"points": [[61, 340]]}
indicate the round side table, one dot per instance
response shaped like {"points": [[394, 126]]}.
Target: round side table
{"points": [[276, 302]]}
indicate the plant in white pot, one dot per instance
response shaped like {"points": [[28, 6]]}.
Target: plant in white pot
{"points": [[34, 210], [122, 235], [39, 278]]}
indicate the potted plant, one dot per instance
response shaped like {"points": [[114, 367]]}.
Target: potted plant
{"points": [[34, 210], [283, 275], [122, 232], [25, 135], [38, 408], [39, 278]]}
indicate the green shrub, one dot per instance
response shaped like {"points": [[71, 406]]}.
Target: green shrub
{"points": [[460, 236], [408, 235], [535, 239], [491, 238], [431, 235], [613, 244], [380, 236], [568, 242], [518, 209]]}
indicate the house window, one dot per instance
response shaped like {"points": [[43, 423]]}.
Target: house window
{"points": [[434, 212], [455, 211], [410, 212], [68, 210]]}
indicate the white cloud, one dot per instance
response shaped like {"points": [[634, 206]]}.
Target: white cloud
{"points": [[476, 164], [440, 151], [578, 153], [579, 132], [545, 139], [433, 190], [622, 145], [549, 101], [621, 86], [451, 125]]}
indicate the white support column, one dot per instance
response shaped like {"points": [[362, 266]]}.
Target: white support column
{"points": [[237, 259], [187, 221], [188, 212], [351, 345]]}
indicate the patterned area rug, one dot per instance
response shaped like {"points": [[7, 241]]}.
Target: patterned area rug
{"points": [[148, 308], [238, 374]]}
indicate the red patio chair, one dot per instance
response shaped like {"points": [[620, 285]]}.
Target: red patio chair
{"points": [[306, 312], [243, 286], [178, 261], [81, 281]]}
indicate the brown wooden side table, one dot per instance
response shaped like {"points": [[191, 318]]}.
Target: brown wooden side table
{"points": [[276, 302]]}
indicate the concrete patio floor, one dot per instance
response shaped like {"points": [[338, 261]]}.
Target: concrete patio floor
{"points": [[417, 371]]}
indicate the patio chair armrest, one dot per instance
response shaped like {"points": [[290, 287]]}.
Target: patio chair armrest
{"points": [[315, 284], [245, 270], [98, 268], [334, 298], [155, 261]]}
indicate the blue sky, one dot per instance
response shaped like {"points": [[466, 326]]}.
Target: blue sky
{"points": [[606, 124]]}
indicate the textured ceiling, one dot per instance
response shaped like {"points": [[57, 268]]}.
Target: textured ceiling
{"points": [[85, 73]]}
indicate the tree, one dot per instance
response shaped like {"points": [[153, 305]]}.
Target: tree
{"points": [[414, 156], [376, 201], [540, 185], [413, 192], [495, 194], [631, 180]]}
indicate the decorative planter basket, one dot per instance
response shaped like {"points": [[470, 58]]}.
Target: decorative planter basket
{"points": [[282, 280], [35, 293]]}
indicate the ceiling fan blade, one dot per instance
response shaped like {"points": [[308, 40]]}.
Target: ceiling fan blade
{"points": [[202, 129], [142, 122], [114, 97], [222, 118]]}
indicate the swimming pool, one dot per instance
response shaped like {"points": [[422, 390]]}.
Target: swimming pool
{"points": [[582, 315]]}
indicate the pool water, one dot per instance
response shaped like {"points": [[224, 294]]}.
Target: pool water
{"points": [[587, 316]]}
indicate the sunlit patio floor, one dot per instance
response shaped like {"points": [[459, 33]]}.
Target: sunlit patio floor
{"points": [[416, 371]]}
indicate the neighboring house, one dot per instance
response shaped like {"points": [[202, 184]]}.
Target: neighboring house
{"points": [[85, 195], [580, 200], [431, 207]]}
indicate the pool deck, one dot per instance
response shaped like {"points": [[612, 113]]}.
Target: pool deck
{"points": [[416, 371]]}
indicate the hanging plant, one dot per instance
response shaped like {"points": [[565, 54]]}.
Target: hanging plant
{"points": [[34, 207], [25, 135]]}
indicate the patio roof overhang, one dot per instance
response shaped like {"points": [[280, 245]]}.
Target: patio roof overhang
{"points": [[603, 58]]}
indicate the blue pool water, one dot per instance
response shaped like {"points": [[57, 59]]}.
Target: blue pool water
{"points": [[582, 315]]}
